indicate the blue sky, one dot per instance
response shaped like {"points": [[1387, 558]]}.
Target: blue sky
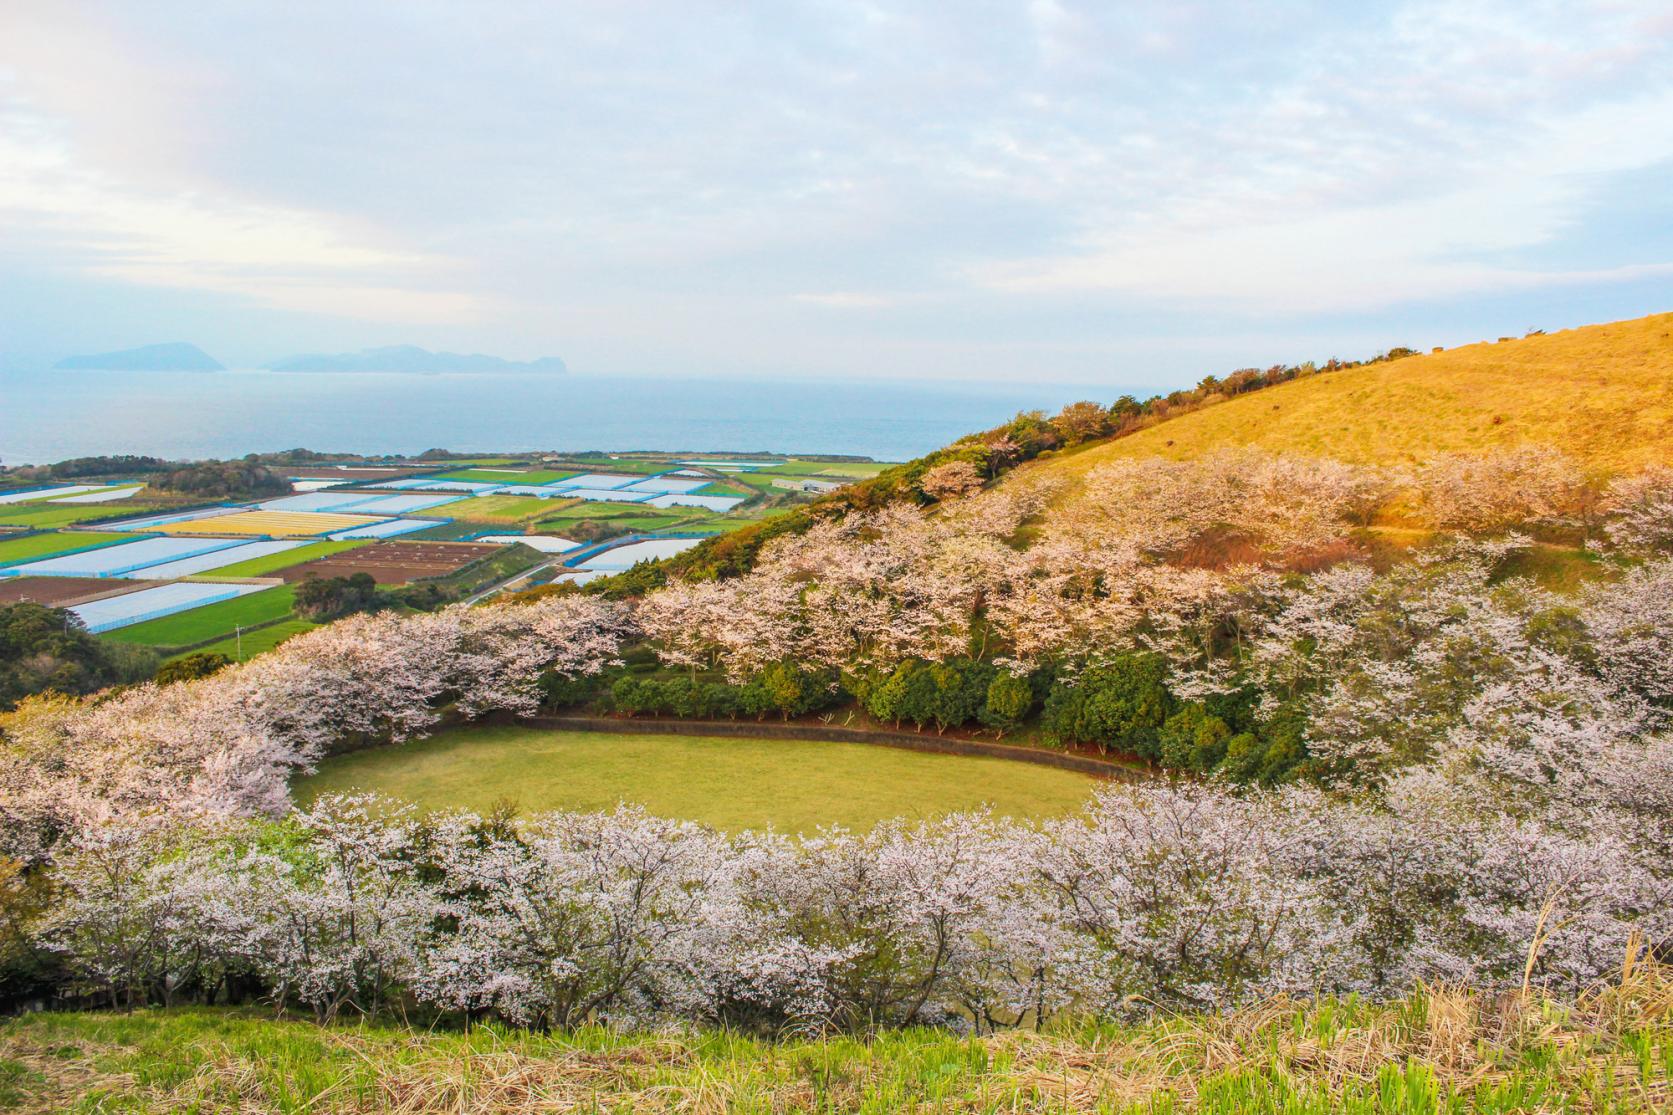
{"points": [[1132, 194]]}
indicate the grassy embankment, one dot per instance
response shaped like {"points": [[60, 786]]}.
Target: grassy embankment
{"points": [[1437, 1051], [728, 782]]}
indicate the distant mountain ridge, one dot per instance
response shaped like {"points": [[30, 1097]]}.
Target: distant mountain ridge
{"points": [[176, 356], [411, 358]]}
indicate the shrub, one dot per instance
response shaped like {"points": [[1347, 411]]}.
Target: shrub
{"points": [[1121, 704]]}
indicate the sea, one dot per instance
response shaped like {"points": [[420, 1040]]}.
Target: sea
{"points": [[54, 415]]}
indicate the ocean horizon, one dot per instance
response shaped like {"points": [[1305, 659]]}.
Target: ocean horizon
{"points": [[54, 415]]}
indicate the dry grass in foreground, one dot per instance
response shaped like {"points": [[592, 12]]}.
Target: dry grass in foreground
{"points": [[1440, 1050]]}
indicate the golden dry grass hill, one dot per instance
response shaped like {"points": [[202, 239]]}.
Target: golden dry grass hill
{"points": [[1602, 394]]}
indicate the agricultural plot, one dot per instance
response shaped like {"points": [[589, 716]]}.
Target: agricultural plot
{"points": [[395, 563], [601, 481], [157, 522], [134, 608], [545, 543], [328, 500], [56, 592], [272, 563], [710, 503], [47, 516], [424, 485], [108, 495], [386, 529], [291, 524], [506, 475], [607, 495], [213, 560], [372, 503], [241, 648], [32, 495], [35, 546], [661, 485], [501, 509], [626, 557], [113, 561], [210, 618]]}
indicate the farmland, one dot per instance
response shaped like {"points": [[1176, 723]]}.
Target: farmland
{"points": [[259, 641], [56, 591], [210, 621], [394, 563], [33, 546], [274, 563], [729, 782], [187, 547]]}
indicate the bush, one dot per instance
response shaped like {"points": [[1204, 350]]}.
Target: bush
{"points": [[1194, 739], [1008, 702], [1120, 705], [330, 597], [191, 667]]}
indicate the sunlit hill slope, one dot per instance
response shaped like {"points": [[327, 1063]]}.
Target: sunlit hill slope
{"points": [[1602, 394]]}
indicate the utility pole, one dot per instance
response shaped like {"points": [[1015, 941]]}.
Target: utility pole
{"points": [[238, 633]]}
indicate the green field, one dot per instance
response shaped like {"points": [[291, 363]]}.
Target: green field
{"points": [[262, 566], [256, 642], [646, 465], [849, 469], [499, 509], [496, 476], [35, 546], [45, 516], [730, 783], [210, 621]]}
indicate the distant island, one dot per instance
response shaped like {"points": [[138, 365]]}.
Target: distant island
{"points": [[410, 358], [175, 357]]}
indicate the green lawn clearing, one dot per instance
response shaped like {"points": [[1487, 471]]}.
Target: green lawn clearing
{"points": [[728, 782], [210, 621], [33, 547], [259, 641], [272, 563]]}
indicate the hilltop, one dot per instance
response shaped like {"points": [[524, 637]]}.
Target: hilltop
{"points": [[177, 356], [1602, 394]]}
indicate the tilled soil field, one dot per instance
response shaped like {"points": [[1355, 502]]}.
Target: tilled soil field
{"points": [[393, 563], [55, 592]]}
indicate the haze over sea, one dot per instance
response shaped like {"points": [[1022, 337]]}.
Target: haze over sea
{"points": [[53, 415]]}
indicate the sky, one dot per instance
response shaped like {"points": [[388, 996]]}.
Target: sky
{"points": [[1135, 193]]}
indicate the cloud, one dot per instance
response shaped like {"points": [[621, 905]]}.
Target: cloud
{"points": [[765, 186], [282, 257]]}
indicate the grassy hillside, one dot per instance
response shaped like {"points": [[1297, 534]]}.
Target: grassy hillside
{"points": [[1602, 393], [1441, 1052]]}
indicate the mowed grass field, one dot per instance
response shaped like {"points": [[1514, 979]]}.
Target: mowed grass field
{"points": [[1603, 394], [209, 621], [728, 782], [34, 546]]}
